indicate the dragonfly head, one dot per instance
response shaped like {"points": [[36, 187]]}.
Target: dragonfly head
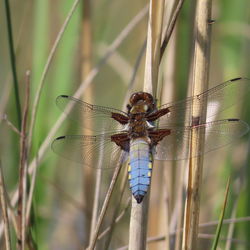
{"points": [[141, 102]]}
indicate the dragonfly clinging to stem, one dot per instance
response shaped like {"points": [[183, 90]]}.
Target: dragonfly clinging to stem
{"points": [[146, 132]]}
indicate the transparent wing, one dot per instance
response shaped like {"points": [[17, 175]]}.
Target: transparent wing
{"points": [[94, 151], [216, 100], [217, 134], [92, 117]]}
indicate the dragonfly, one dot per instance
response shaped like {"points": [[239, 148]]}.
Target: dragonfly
{"points": [[147, 131]]}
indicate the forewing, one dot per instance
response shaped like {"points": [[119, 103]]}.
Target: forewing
{"points": [[93, 151], [92, 117], [215, 100], [176, 146]]}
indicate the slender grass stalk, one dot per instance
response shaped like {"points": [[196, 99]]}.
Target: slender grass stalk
{"points": [[23, 172], [13, 63], [4, 211], [218, 230], [139, 212], [200, 82]]}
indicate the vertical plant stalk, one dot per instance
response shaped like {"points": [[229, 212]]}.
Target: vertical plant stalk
{"points": [[156, 12], [13, 62], [86, 66], [139, 212], [3, 200], [200, 72], [23, 172]]}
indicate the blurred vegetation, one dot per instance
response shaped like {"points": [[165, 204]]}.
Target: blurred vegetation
{"points": [[59, 216]]}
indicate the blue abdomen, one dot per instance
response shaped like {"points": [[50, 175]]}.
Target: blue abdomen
{"points": [[140, 168]]}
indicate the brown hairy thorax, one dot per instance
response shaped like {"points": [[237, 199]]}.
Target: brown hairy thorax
{"points": [[142, 112]]}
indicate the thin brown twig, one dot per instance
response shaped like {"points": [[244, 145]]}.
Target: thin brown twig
{"points": [[22, 188], [4, 210]]}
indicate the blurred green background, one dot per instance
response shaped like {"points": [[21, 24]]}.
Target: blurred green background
{"points": [[58, 222]]}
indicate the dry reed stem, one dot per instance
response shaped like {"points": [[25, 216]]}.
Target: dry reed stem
{"points": [[46, 143], [200, 82], [22, 188], [4, 211], [139, 212], [156, 13], [138, 224], [87, 173]]}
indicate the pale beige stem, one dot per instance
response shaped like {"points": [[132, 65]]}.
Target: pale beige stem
{"points": [[139, 212], [200, 82]]}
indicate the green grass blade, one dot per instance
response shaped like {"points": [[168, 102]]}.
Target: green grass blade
{"points": [[13, 63], [218, 230]]}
